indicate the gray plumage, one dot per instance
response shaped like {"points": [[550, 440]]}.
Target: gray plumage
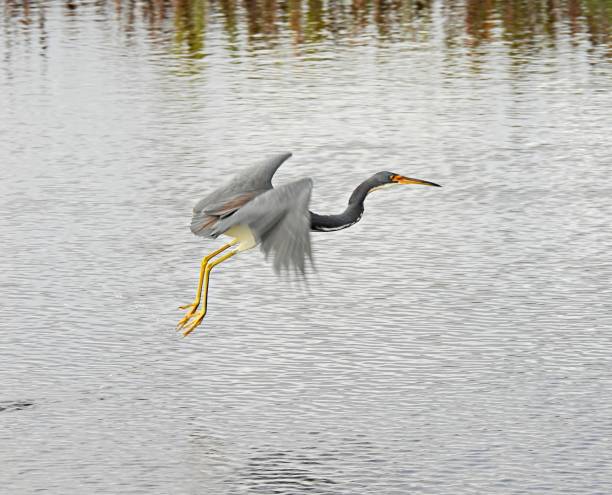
{"points": [[238, 191], [280, 221], [278, 218]]}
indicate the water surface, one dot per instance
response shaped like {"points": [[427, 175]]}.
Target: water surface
{"points": [[455, 341]]}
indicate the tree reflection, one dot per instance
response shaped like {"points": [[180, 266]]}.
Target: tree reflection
{"points": [[521, 24], [190, 26]]}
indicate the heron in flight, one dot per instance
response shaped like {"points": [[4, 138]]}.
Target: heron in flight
{"points": [[251, 212]]}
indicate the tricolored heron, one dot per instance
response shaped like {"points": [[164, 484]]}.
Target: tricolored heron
{"points": [[251, 212]]}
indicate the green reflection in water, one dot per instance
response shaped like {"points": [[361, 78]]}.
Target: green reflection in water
{"points": [[314, 21], [190, 26], [228, 10]]}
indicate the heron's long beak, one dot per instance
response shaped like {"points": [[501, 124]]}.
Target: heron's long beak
{"points": [[400, 179]]}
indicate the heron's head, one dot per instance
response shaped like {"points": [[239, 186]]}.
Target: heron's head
{"points": [[383, 180]]}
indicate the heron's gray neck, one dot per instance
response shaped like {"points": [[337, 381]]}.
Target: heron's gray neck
{"points": [[350, 216]]}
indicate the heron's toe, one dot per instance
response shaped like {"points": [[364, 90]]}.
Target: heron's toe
{"points": [[184, 320], [188, 306], [199, 316]]}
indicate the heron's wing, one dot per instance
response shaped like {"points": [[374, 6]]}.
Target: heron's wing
{"points": [[259, 176], [204, 221], [230, 205], [280, 221], [239, 190]]}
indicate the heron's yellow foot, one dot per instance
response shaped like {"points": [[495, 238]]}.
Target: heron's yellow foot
{"points": [[199, 316], [184, 320]]}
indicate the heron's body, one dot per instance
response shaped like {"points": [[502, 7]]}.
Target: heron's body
{"points": [[249, 211], [243, 236]]}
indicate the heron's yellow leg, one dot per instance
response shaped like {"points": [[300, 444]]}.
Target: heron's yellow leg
{"points": [[194, 305], [199, 316]]}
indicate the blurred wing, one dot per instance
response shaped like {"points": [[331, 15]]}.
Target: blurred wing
{"points": [[241, 189], [280, 220], [204, 220]]}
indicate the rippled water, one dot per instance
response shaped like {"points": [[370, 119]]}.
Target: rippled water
{"points": [[455, 341]]}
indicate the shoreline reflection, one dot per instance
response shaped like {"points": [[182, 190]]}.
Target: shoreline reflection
{"points": [[251, 25]]}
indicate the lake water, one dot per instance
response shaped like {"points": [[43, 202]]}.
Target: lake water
{"points": [[455, 341]]}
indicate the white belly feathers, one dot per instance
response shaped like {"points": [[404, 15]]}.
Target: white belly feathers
{"points": [[244, 236]]}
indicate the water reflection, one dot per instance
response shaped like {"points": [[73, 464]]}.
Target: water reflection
{"points": [[8, 406], [281, 472], [185, 24], [190, 26]]}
